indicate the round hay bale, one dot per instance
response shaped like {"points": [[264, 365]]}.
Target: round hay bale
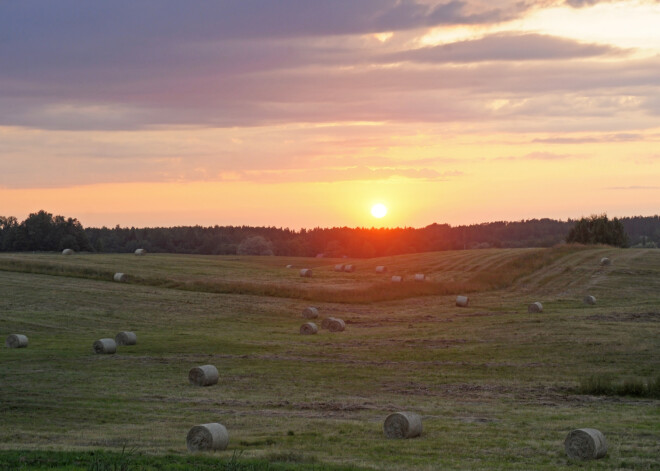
{"points": [[336, 325], [106, 346], [605, 261], [205, 375], [207, 437], [17, 341], [462, 301], [309, 328], [589, 300], [403, 425], [67, 252], [339, 267], [120, 277], [326, 322], [140, 252], [126, 338], [349, 268], [381, 269], [535, 307], [585, 444], [310, 313], [397, 279], [289, 266], [306, 273], [420, 277]]}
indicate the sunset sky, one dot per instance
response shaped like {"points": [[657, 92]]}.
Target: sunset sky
{"points": [[305, 113]]}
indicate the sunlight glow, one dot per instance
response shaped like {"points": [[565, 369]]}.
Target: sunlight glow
{"points": [[378, 210]]}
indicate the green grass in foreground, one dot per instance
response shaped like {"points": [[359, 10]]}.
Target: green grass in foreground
{"points": [[497, 388], [101, 460]]}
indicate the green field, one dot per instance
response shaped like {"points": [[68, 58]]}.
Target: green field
{"points": [[497, 388]]}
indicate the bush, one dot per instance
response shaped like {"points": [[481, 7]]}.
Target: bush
{"points": [[598, 230]]}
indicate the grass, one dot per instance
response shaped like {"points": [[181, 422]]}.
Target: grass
{"points": [[100, 460], [497, 388], [257, 276]]}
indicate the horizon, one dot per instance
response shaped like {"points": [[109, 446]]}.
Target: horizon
{"points": [[302, 116], [299, 229]]}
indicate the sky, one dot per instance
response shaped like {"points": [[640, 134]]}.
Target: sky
{"points": [[306, 113]]}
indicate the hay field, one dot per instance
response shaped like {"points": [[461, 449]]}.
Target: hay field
{"points": [[497, 388]]}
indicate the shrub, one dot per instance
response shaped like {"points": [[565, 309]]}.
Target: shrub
{"points": [[598, 230]]}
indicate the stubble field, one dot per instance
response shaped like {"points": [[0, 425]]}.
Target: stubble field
{"points": [[497, 387]]}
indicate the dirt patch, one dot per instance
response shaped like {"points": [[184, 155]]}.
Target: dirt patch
{"points": [[626, 317]]}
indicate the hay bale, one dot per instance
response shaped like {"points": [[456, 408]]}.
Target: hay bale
{"points": [[605, 261], [535, 307], [126, 338], [381, 269], [67, 252], [397, 279], [289, 266], [420, 277], [309, 328], [17, 341], [589, 300], [349, 268], [106, 346], [306, 273], [585, 444], [310, 312], [326, 322], [207, 437], [339, 267], [120, 277], [462, 301], [140, 252], [336, 325], [205, 375], [403, 425]]}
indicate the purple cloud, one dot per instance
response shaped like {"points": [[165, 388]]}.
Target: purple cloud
{"points": [[505, 47]]}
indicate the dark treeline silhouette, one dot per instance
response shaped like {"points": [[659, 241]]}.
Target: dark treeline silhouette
{"points": [[42, 231], [599, 230]]}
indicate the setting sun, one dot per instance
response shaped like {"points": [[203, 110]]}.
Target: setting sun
{"points": [[378, 210]]}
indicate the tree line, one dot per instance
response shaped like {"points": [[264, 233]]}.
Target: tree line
{"points": [[41, 231]]}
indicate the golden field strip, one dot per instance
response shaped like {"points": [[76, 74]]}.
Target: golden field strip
{"points": [[497, 387]]}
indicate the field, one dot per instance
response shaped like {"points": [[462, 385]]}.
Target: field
{"points": [[497, 387]]}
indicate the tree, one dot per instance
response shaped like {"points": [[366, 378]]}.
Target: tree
{"points": [[8, 232], [256, 245], [598, 230]]}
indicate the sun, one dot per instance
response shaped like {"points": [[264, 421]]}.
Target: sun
{"points": [[378, 210]]}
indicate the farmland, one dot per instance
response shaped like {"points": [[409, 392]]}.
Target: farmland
{"points": [[497, 387]]}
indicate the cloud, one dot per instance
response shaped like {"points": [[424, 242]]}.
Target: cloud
{"points": [[129, 65], [325, 175], [586, 3], [618, 137], [633, 187], [540, 156], [127, 22], [596, 91], [589, 3], [505, 47]]}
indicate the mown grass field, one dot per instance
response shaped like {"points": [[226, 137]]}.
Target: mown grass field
{"points": [[497, 388]]}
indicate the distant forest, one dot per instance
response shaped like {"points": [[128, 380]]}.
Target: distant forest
{"points": [[42, 231]]}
